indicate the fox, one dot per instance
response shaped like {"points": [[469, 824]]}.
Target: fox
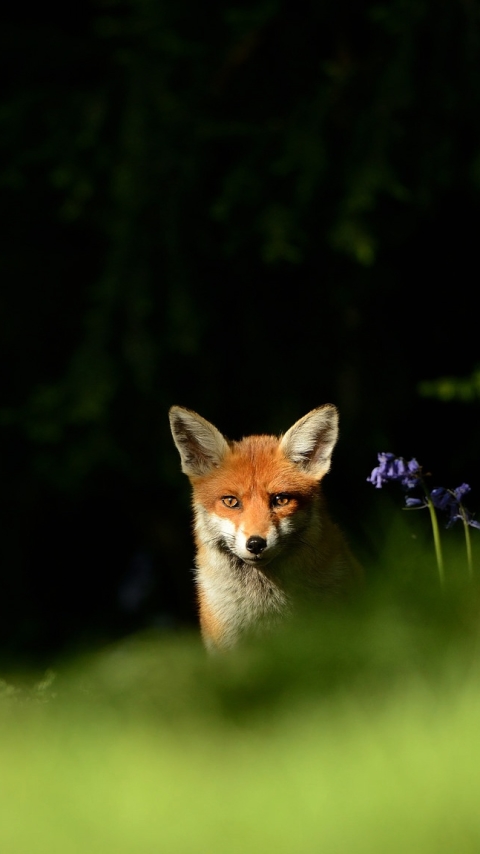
{"points": [[264, 539]]}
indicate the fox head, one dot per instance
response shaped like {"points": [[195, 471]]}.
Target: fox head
{"points": [[250, 497]]}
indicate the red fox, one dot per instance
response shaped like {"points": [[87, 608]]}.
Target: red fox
{"points": [[264, 539]]}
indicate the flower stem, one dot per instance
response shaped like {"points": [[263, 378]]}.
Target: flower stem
{"points": [[468, 544], [436, 540]]}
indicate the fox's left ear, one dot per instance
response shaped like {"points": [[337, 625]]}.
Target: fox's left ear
{"points": [[310, 442]]}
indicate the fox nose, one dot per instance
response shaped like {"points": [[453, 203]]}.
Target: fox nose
{"points": [[256, 545]]}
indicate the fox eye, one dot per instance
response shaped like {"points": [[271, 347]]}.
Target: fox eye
{"points": [[281, 499], [230, 501]]}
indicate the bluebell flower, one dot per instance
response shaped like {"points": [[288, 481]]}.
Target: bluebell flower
{"points": [[409, 475], [415, 502], [395, 468], [450, 500], [460, 491], [442, 498]]}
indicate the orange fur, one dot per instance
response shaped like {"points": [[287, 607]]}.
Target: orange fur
{"points": [[263, 535], [254, 470]]}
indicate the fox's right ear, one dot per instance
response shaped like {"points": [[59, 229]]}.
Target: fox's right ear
{"points": [[200, 445]]}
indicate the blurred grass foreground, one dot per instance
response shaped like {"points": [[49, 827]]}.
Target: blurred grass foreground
{"points": [[352, 730]]}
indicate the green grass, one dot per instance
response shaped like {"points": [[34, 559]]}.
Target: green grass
{"points": [[353, 730]]}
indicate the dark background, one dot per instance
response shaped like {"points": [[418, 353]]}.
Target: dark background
{"points": [[247, 209]]}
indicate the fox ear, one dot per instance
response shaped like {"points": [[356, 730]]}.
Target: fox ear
{"points": [[200, 445], [310, 442]]}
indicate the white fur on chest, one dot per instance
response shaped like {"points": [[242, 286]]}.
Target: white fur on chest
{"points": [[240, 595]]}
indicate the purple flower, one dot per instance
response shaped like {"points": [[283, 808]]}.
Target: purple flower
{"points": [[395, 468], [443, 499], [409, 475], [460, 491], [414, 502], [450, 501]]}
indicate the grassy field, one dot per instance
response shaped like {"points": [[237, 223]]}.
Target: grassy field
{"points": [[354, 730]]}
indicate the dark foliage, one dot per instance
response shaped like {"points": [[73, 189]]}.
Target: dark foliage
{"points": [[248, 210]]}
